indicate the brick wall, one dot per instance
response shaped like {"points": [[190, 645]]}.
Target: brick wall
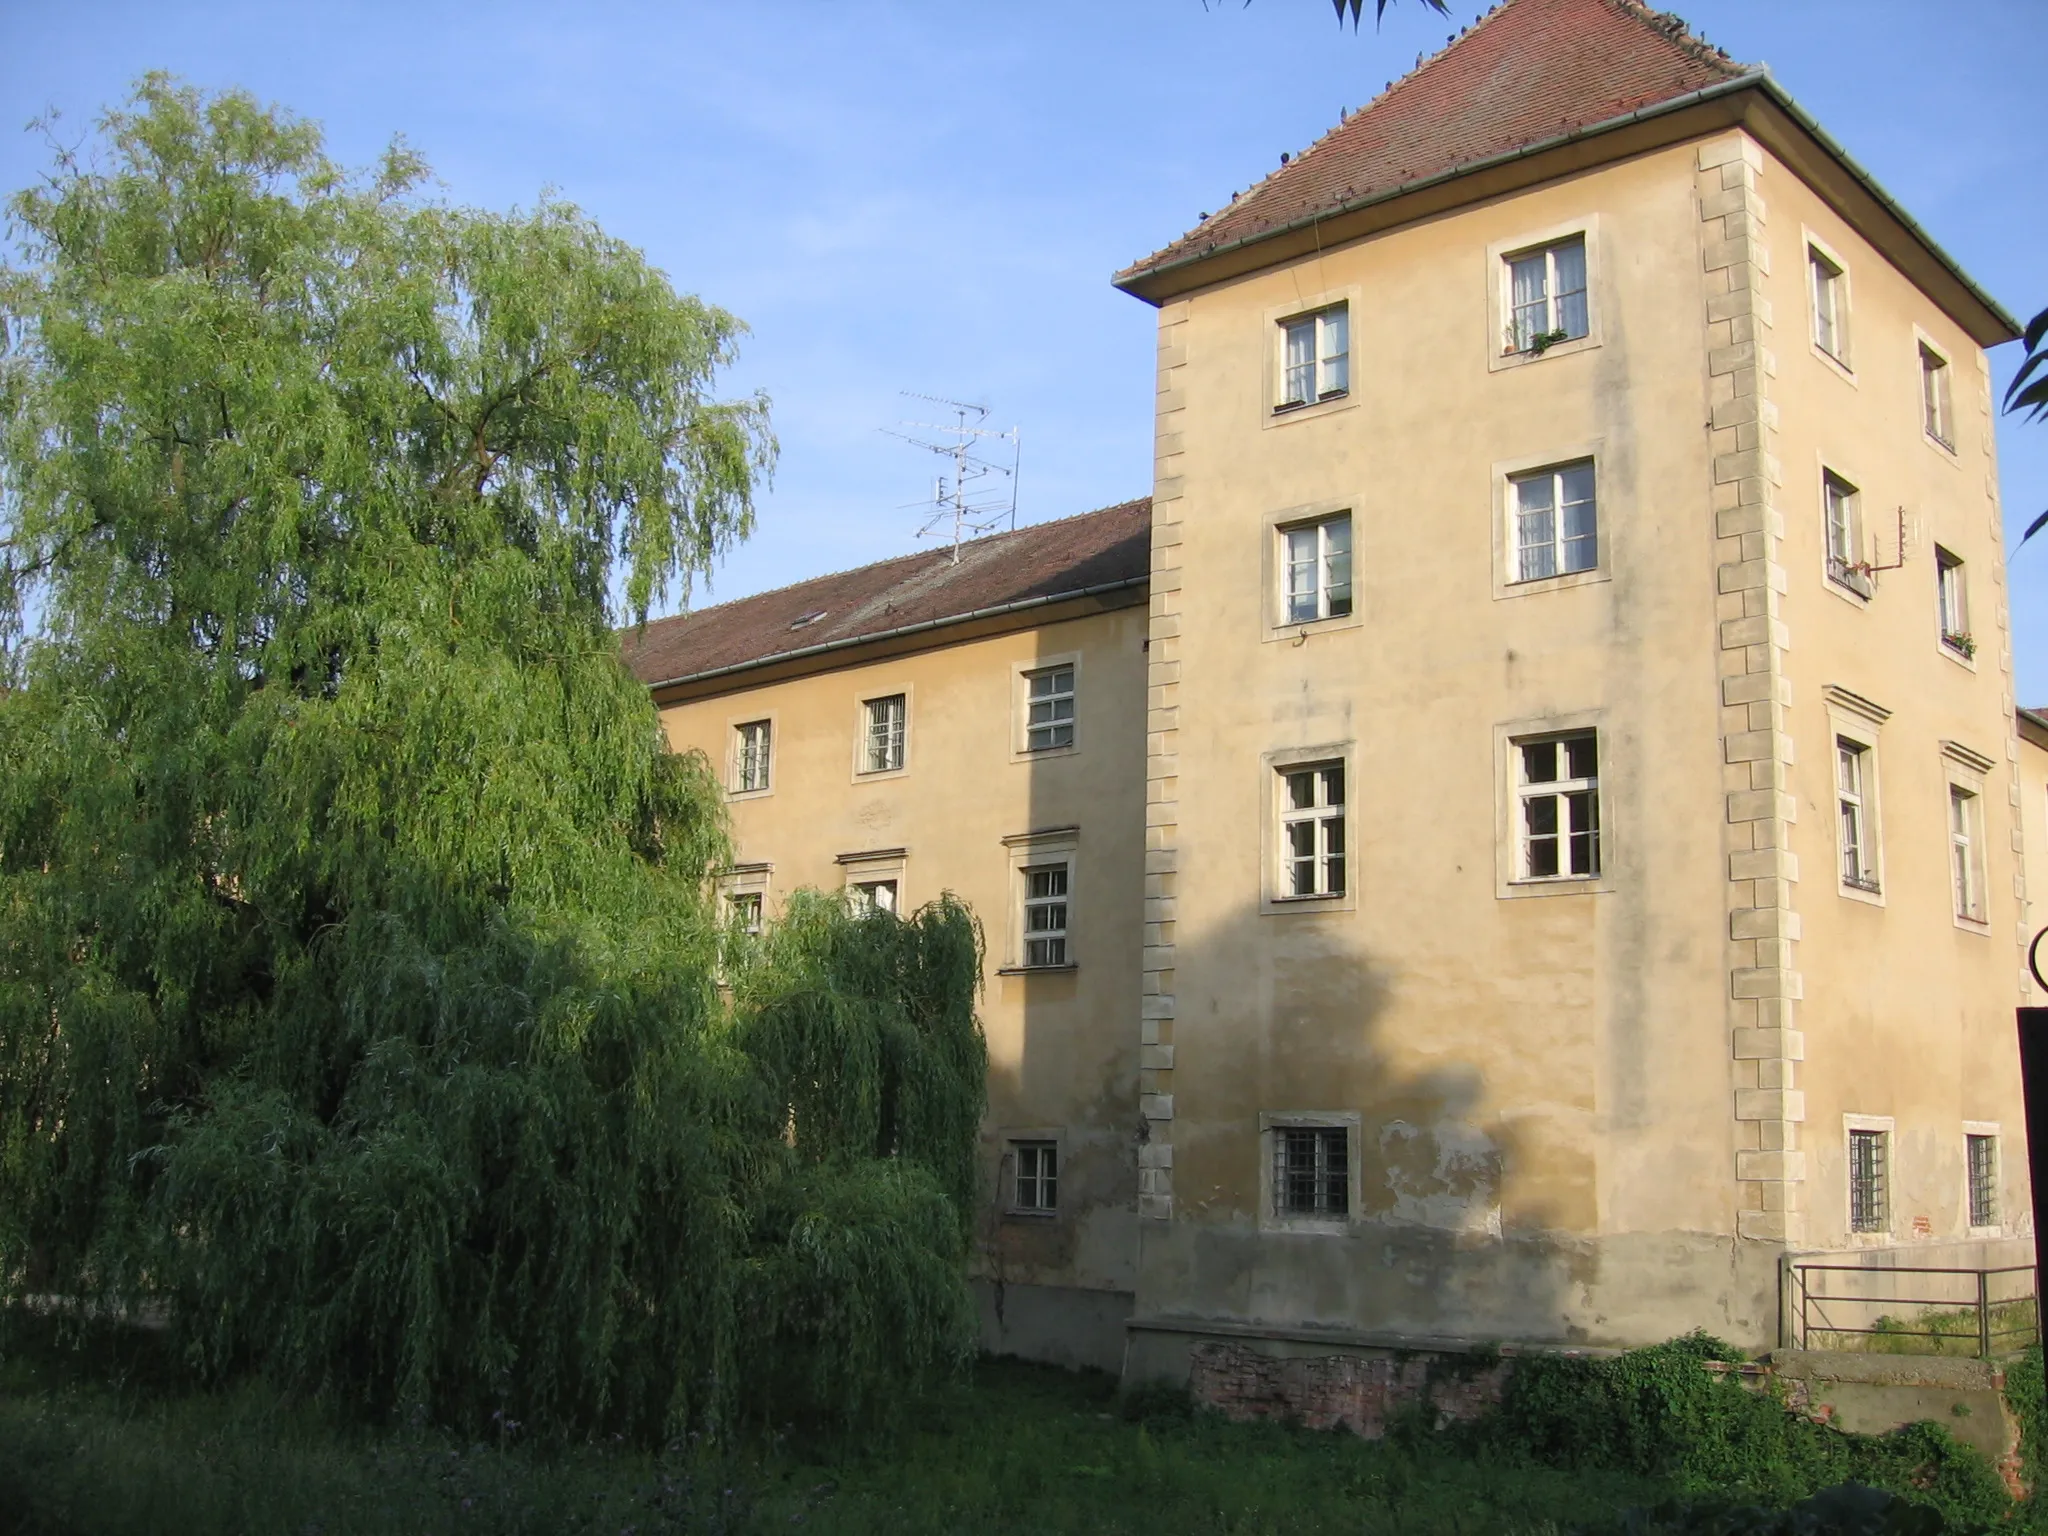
{"points": [[1342, 1391]]}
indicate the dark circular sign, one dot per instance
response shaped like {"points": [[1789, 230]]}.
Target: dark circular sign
{"points": [[2034, 960]]}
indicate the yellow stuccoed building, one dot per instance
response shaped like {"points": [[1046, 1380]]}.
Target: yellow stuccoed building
{"points": [[1521, 838]]}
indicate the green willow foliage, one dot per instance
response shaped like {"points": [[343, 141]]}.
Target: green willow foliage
{"points": [[359, 1006]]}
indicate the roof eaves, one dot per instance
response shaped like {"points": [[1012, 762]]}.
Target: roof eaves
{"points": [[1759, 79], [847, 642]]}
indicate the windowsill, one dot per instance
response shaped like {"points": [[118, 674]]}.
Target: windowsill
{"points": [[1301, 629], [864, 775], [1959, 656], [1309, 1226], [1948, 449], [1985, 1232], [749, 794], [1309, 410], [1035, 1217], [1535, 584], [1577, 344], [1981, 926], [1558, 885], [1288, 408], [1835, 365], [1039, 970], [1848, 589], [1296, 903], [1871, 896]]}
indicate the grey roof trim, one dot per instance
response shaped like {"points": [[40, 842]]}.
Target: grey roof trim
{"points": [[849, 641], [1755, 79]]}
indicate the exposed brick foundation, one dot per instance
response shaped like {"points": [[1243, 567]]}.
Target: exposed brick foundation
{"points": [[1342, 1391]]}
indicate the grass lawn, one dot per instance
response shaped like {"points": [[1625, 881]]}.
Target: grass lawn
{"points": [[1016, 1449]]}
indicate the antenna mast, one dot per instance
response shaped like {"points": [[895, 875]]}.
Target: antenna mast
{"points": [[973, 500]]}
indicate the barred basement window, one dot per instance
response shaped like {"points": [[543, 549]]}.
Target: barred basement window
{"points": [[1983, 1157], [1038, 1176], [1312, 1170], [884, 745], [1558, 788], [1045, 914], [1049, 709], [753, 747], [1869, 1187]]}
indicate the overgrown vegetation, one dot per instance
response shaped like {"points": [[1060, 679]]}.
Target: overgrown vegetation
{"points": [[359, 1012], [1014, 1449]]}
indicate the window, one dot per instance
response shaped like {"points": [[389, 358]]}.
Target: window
{"points": [[1953, 599], [1844, 531], [1049, 709], [1312, 1170], [1558, 784], [1038, 1177], [1316, 570], [1555, 521], [743, 911], [883, 749], [1547, 296], [1315, 357], [752, 753], [1983, 1163], [1312, 830], [1869, 1184], [1963, 854], [1859, 852], [1935, 410], [873, 895], [1830, 306], [1045, 914]]}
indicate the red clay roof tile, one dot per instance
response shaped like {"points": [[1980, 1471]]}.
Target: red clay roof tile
{"points": [[1526, 71], [1044, 561]]}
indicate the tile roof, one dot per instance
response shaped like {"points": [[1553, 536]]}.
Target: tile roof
{"points": [[1527, 71], [1039, 564]]}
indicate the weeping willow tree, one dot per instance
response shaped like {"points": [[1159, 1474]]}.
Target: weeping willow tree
{"points": [[359, 997]]}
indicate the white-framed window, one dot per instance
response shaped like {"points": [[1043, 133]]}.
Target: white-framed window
{"points": [[1546, 289], [743, 911], [1555, 520], [1842, 525], [1311, 830], [1315, 570], [1980, 1151], [1311, 1171], [1965, 853], [1937, 413], [1049, 708], [1855, 819], [1952, 600], [882, 742], [1045, 913], [867, 896], [1315, 357], [753, 749], [1830, 294], [1035, 1177], [1870, 1198], [1557, 822]]}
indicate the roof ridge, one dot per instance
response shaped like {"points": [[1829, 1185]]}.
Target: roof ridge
{"points": [[872, 565]]}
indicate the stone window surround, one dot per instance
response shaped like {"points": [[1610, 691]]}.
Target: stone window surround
{"points": [[1967, 769], [867, 696], [1859, 719], [1008, 1139], [1272, 768], [732, 767], [1888, 1126], [1274, 354], [1272, 571], [1271, 1219], [1020, 707], [1035, 850], [1812, 243], [1996, 1132], [874, 865], [1502, 475], [1507, 734], [1499, 305]]}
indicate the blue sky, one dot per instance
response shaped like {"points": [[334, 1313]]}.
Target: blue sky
{"points": [[931, 196]]}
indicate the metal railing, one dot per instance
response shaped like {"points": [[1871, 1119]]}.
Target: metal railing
{"points": [[1984, 1313]]}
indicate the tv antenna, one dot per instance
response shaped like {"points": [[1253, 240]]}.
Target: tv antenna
{"points": [[980, 495]]}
